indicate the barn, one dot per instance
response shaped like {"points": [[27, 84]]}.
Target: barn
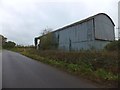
{"points": [[91, 33]]}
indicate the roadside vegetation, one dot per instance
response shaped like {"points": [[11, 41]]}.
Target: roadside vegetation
{"points": [[98, 66], [48, 40], [8, 45]]}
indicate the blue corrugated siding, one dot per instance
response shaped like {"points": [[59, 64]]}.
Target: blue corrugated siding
{"points": [[100, 44], [79, 36]]}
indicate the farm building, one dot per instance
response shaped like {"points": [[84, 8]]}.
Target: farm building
{"points": [[91, 33], [2, 40]]}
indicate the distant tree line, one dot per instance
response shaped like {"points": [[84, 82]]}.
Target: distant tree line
{"points": [[9, 44]]}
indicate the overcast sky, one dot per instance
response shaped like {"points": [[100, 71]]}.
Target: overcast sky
{"points": [[22, 20]]}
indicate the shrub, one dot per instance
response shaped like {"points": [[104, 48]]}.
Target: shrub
{"points": [[47, 42], [105, 75], [113, 46]]}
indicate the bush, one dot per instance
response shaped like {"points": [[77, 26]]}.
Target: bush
{"points": [[105, 75], [47, 42], [113, 46]]}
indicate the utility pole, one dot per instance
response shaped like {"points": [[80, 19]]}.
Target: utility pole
{"points": [[118, 20]]}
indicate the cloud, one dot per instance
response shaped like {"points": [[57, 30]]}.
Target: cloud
{"points": [[22, 20]]}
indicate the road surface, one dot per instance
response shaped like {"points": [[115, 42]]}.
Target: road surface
{"points": [[22, 72], [0, 69]]}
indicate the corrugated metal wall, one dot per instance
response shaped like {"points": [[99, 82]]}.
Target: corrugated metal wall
{"points": [[76, 37], [82, 36], [100, 44]]}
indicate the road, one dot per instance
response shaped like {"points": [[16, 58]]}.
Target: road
{"points": [[19, 71], [0, 69]]}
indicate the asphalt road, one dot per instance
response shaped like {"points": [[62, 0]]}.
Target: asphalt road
{"points": [[0, 69], [19, 71]]}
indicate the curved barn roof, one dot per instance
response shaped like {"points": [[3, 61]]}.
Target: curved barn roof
{"points": [[105, 15], [84, 20]]}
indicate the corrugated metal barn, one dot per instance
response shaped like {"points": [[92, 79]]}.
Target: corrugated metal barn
{"points": [[91, 33]]}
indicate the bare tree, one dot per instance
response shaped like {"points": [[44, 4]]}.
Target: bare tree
{"points": [[46, 31]]}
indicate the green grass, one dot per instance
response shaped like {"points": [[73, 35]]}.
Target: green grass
{"points": [[101, 67]]}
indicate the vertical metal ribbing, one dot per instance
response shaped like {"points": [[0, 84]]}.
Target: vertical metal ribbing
{"points": [[94, 28]]}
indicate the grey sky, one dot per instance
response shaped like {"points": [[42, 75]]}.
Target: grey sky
{"points": [[22, 20]]}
